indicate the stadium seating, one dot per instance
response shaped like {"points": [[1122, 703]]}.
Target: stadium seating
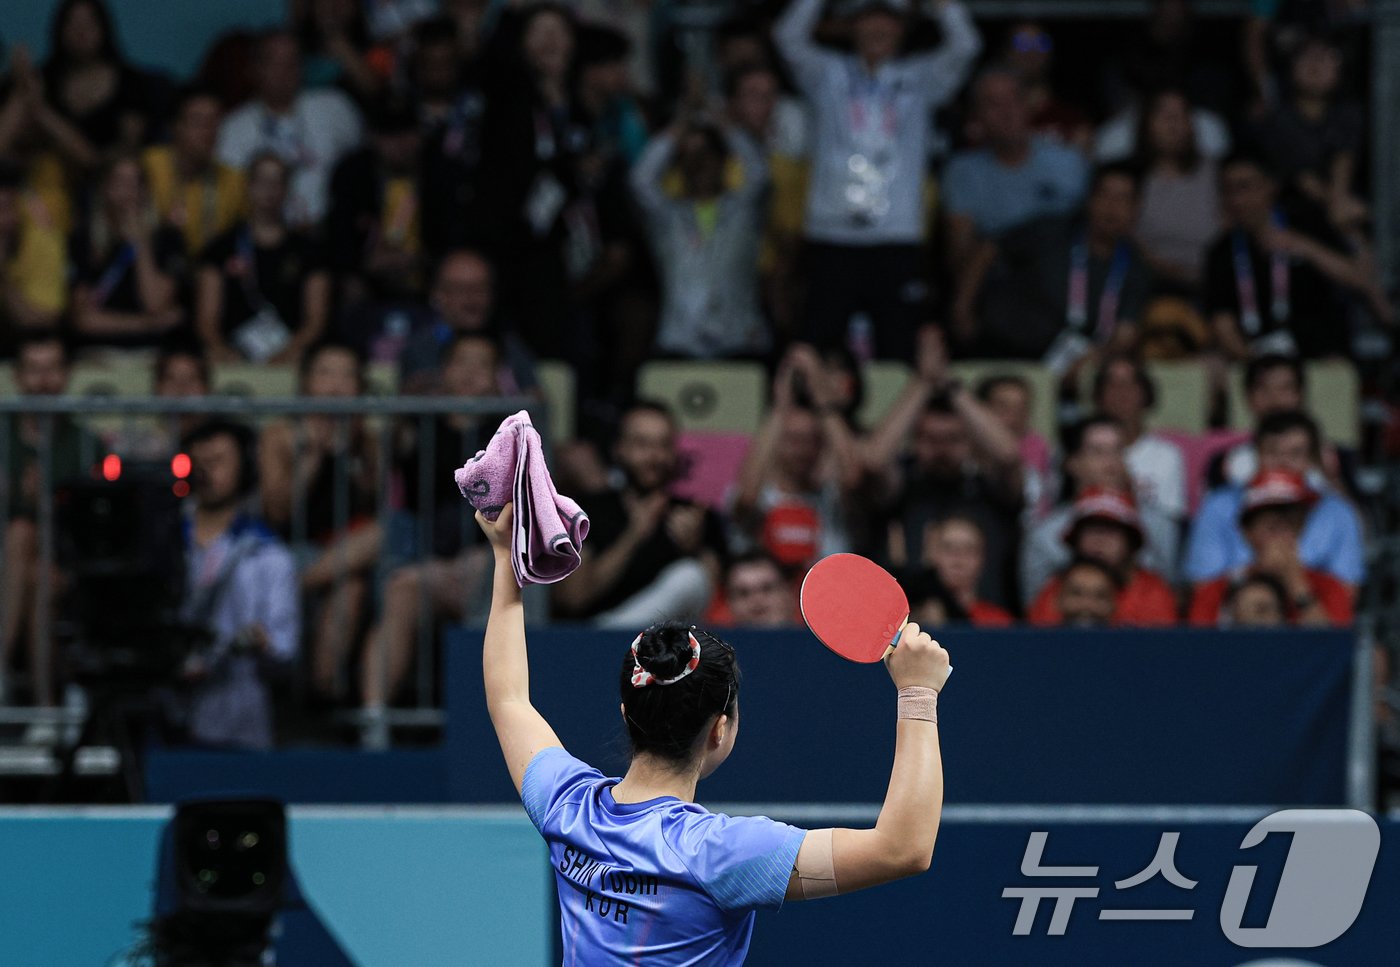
{"points": [[716, 397], [557, 384], [883, 380], [1183, 396], [1333, 398], [255, 379]]}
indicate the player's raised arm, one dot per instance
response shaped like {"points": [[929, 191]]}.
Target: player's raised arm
{"points": [[901, 844], [505, 667]]}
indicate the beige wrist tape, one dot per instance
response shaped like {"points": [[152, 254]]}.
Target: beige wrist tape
{"points": [[816, 868], [917, 702]]}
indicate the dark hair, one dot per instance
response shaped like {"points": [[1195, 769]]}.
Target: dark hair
{"points": [[534, 11], [1072, 439], [114, 161], [1093, 563], [181, 349], [736, 77], [210, 429], [958, 517], [1119, 169], [1273, 584], [58, 63], [991, 384], [308, 33], [434, 30], [941, 405], [842, 356], [647, 406], [391, 114], [994, 71], [1255, 369], [715, 141], [1140, 375], [753, 557], [1254, 159], [1075, 434], [461, 251], [190, 93], [665, 720], [1277, 424], [244, 439], [1295, 515], [328, 345], [11, 176], [736, 27], [266, 39], [601, 45], [473, 335], [924, 584], [1318, 37], [41, 338], [1142, 149]]}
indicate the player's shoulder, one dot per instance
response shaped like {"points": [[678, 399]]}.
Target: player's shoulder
{"points": [[552, 777], [694, 830]]}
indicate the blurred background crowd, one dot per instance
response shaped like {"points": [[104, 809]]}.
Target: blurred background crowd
{"points": [[1070, 323]]}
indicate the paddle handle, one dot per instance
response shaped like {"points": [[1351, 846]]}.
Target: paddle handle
{"points": [[894, 642]]}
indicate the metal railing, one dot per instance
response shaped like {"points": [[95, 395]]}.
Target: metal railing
{"points": [[383, 419]]}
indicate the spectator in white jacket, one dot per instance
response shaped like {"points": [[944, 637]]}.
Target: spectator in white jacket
{"points": [[872, 116], [309, 130], [706, 239]]}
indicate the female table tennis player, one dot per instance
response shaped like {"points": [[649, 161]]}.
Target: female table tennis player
{"points": [[646, 876]]}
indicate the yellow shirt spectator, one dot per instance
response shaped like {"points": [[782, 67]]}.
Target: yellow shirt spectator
{"points": [[48, 202], [202, 208], [38, 270]]}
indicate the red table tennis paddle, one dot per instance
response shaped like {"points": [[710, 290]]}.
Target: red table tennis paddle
{"points": [[854, 607]]}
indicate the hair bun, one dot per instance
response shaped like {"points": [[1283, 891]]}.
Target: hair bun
{"points": [[664, 650]]}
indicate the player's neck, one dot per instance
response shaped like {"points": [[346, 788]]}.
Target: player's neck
{"points": [[648, 778]]}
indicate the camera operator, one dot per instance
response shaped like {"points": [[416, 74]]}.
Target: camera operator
{"points": [[241, 587]]}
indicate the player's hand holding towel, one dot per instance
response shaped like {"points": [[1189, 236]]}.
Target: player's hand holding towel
{"points": [[549, 528]]}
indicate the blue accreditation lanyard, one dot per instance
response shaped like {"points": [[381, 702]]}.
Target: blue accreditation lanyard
{"points": [[1077, 314], [112, 278], [1279, 304]]}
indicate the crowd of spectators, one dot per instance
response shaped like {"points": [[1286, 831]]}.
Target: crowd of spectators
{"points": [[459, 193]]}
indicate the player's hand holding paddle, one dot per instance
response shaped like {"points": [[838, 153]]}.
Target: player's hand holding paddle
{"points": [[918, 661], [858, 610]]}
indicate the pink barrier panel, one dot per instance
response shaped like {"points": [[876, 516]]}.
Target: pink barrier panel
{"points": [[709, 465], [1200, 449]]}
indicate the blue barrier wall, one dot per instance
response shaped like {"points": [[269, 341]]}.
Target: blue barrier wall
{"points": [[956, 914], [1028, 717], [459, 887]]}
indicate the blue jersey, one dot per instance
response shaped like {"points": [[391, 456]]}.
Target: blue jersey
{"points": [[661, 882]]}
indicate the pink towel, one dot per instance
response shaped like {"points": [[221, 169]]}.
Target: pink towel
{"points": [[549, 527]]}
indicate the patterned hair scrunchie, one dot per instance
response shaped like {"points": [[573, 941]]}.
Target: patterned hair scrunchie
{"points": [[642, 678]]}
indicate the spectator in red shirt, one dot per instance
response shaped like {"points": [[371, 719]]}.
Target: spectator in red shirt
{"points": [[931, 603], [1272, 515], [956, 548], [1105, 527]]}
